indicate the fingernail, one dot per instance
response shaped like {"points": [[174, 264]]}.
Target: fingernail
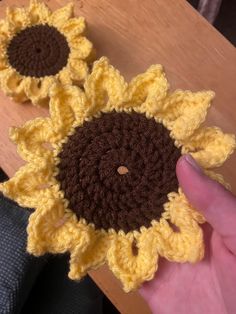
{"points": [[190, 160]]}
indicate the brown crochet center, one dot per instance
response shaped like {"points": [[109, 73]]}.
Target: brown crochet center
{"points": [[38, 51], [89, 176]]}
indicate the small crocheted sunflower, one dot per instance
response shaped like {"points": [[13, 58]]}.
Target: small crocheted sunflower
{"points": [[39, 48], [101, 173]]}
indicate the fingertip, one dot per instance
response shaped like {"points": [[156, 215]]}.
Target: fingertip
{"points": [[217, 204], [192, 179], [187, 161]]}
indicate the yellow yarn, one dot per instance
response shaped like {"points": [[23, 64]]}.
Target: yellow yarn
{"points": [[54, 228], [22, 88]]}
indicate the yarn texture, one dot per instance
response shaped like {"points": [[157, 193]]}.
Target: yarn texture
{"points": [[97, 191], [100, 173], [40, 48]]}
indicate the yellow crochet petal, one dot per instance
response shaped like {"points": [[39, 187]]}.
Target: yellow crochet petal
{"points": [[5, 32], [3, 61], [90, 257], [38, 12], [28, 186], [67, 108], [81, 47], [186, 244], [61, 16], [181, 199], [13, 84], [105, 87], [73, 27], [184, 111], [65, 76], [9, 80], [78, 69], [33, 140], [147, 90], [131, 267], [52, 229], [210, 146], [37, 90], [17, 18], [217, 177]]}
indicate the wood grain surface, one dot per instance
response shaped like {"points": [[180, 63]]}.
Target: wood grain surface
{"points": [[135, 34]]}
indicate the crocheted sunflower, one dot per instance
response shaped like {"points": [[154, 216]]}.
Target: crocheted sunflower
{"points": [[101, 173], [39, 48]]}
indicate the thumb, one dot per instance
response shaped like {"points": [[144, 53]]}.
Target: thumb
{"points": [[217, 204]]}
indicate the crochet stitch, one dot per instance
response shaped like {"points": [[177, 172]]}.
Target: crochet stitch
{"points": [[88, 174], [48, 57], [100, 173], [40, 48]]}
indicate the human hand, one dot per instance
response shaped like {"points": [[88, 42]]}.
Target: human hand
{"points": [[210, 285]]}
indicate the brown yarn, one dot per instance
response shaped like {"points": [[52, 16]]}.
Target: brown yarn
{"points": [[38, 51], [91, 183]]}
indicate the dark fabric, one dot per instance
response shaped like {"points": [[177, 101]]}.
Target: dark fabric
{"points": [[54, 293], [225, 20], [209, 9], [30, 285], [18, 270]]}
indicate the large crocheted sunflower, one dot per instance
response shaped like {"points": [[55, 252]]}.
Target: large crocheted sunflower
{"points": [[39, 48], [101, 173]]}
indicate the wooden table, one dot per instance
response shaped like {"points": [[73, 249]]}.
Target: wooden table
{"points": [[135, 34]]}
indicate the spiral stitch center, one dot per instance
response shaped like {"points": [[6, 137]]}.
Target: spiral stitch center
{"points": [[38, 51], [117, 170]]}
